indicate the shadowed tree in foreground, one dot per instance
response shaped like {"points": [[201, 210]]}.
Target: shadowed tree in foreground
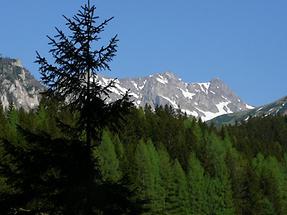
{"points": [[57, 173], [72, 78]]}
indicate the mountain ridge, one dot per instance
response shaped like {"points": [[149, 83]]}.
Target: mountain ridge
{"points": [[278, 107], [204, 100]]}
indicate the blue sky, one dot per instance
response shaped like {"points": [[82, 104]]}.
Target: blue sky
{"points": [[244, 42]]}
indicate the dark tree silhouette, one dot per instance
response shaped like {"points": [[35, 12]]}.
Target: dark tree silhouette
{"points": [[72, 78], [58, 174]]}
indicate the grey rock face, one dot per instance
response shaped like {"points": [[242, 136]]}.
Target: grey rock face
{"points": [[204, 100], [17, 85]]}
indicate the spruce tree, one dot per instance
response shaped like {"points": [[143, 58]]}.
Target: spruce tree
{"points": [[166, 176], [146, 177], [72, 78], [180, 199], [108, 162], [220, 190], [197, 186]]}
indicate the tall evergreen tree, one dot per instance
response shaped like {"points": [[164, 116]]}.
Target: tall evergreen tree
{"points": [[180, 198], [108, 162], [73, 76], [220, 190], [167, 177], [197, 184], [13, 121], [146, 177]]}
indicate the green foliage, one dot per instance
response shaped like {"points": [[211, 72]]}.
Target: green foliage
{"points": [[270, 176], [108, 161], [159, 163], [220, 192], [198, 185], [146, 177], [13, 120], [180, 198], [166, 180]]}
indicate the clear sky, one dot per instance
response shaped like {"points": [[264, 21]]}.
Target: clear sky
{"points": [[243, 42]]}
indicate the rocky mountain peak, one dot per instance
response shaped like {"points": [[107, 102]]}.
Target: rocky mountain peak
{"points": [[169, 75], [17, 85], [216, 80], [205, 100]]}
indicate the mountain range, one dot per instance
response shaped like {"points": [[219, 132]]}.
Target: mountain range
{"points": [[207, 100]]}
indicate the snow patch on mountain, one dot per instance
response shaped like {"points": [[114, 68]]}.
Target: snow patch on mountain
{"points": [[190, 113], [223, 108], [141, 87], [204, 87], [249, 107], [162, 79], [119, 87], [172, 102], [187, 94], [135, 84]]}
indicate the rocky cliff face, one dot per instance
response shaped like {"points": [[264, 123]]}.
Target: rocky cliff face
{"points": [[17, 85], [204, 100]]}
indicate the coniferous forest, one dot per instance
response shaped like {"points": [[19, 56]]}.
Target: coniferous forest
{"points": [[156, 163], [79, 154]]}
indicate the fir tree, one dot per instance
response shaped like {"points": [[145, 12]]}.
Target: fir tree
{"points": [[78, 58], [167, 177], [107, 159], [146, 177], [197, 184], [180, 198], [220, 196]]}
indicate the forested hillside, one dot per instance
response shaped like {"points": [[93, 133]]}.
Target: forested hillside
{"points": [[155, 163]]}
